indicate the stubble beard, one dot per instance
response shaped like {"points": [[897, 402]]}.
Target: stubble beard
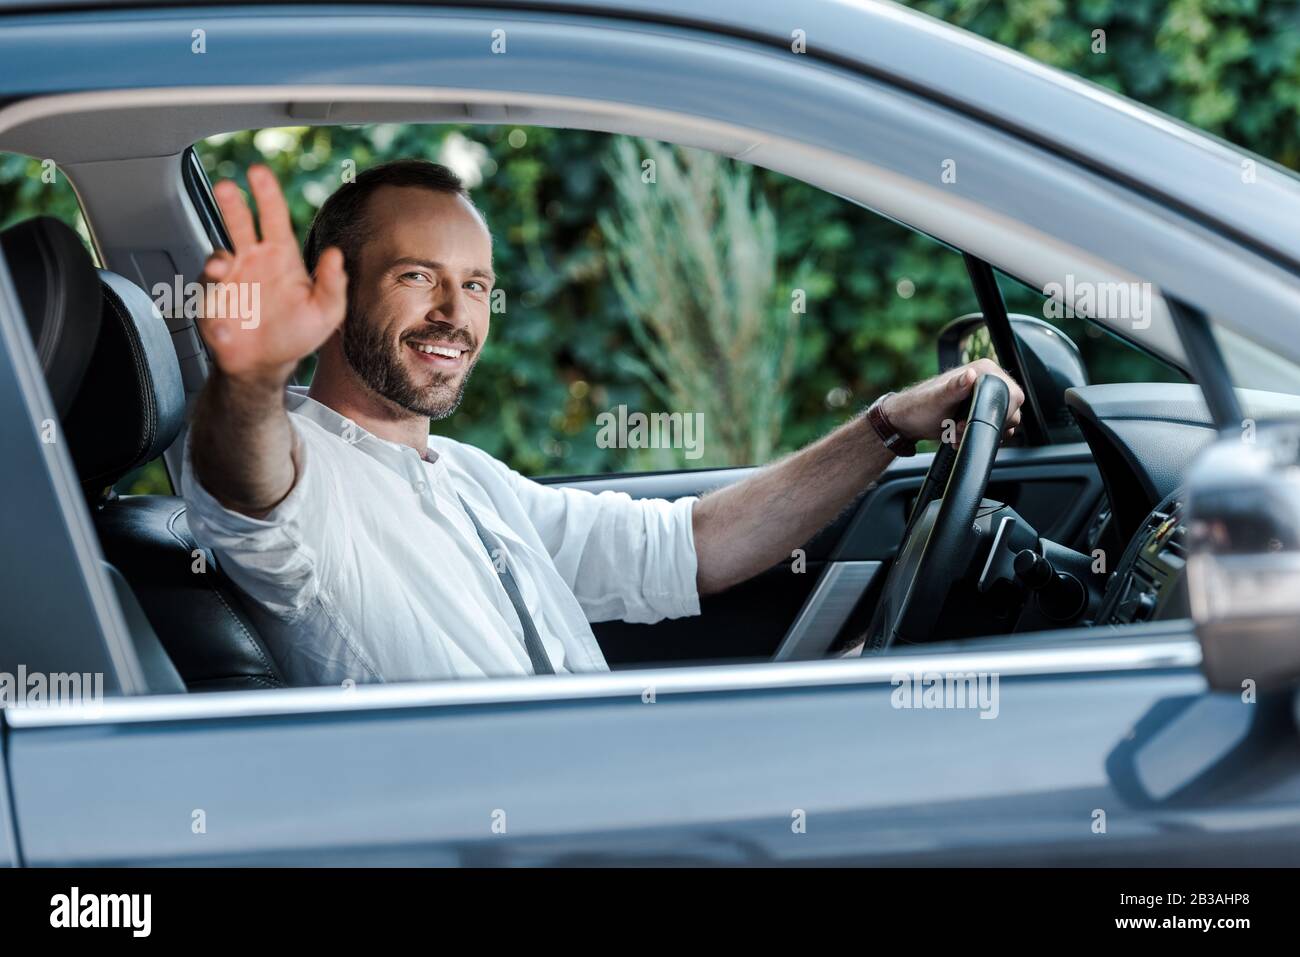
{"points": [[377, 361]]}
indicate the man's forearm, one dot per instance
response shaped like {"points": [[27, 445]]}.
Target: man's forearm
{"points": [[746, 528], [242, 444]]}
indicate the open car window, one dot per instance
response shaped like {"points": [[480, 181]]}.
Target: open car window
{"points": [[660, 312], [751, 311]]}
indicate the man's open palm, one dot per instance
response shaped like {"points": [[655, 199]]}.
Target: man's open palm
{"points": [[297, 312]]}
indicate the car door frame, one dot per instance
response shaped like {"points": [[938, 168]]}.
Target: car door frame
{"points": [[806, 762]]}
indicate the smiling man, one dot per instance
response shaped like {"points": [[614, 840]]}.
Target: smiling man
{"points": [[372, 551]]}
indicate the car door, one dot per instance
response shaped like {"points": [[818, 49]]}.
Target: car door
{"points": [[809, 762]]}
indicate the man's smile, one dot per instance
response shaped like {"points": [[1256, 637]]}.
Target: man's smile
{"points": [[439, 354]]}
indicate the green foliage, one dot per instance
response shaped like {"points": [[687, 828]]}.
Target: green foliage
{"points": [[148, 479], [693, 259], [32, 187], [1231, 67]]}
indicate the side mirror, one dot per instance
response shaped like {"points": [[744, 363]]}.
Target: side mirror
{"points": [[1243, 564], [1052, 360]]}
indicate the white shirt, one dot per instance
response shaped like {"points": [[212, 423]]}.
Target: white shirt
{"points": [[371, 570]]}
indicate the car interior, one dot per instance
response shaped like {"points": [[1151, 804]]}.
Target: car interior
{"points": [[1080, 527]]}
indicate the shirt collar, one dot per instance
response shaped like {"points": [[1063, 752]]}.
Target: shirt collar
{"points": [[297, 400]]}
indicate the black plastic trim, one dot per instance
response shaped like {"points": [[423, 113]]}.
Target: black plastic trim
{"points": [[1005, 344], [199, 189], [1206, 359]]}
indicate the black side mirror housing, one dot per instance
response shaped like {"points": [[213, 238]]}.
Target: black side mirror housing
{"points": [[1052, 362]]}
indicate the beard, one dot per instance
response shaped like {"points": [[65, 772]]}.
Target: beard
{"points": [[378, 362]]}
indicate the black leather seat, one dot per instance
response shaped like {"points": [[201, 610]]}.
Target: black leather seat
{"points": [[198, 615], [59, 292], [128, 408]]}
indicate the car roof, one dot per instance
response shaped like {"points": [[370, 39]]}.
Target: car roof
{"points": [[1199, 175]]}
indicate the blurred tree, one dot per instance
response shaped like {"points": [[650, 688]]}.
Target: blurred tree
{"points": [[694, 261], [35, 187]]}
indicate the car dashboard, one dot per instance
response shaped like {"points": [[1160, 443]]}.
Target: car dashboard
{"points": [[1148, 583], [1144, 438]]}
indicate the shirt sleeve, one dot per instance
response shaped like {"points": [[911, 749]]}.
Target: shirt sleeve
{"points": [[276, 559], [624, 558]]}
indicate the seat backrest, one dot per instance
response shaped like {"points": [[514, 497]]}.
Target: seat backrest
{"points": [[125, 408], [130, 408], [131, 404]]}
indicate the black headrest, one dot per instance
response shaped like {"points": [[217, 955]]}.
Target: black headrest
{"points": [[59, 292], [131, 404]]}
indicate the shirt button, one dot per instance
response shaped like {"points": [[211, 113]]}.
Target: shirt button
{"points": [[421, 486]]}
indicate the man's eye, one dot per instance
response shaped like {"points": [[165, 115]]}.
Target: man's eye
{"points": [[476, 283], [410, 275]]}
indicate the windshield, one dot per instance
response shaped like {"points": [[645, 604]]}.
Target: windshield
{"points": [[1254, 367]]}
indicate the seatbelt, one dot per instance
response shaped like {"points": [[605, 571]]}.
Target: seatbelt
{"points": [[532, 640]]}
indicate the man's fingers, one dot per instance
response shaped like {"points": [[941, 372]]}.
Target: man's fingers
{"points": [[215, 270], [213, 328], [272, 210], [982, 366], [235, 211], [330, 282], [217, 266]]}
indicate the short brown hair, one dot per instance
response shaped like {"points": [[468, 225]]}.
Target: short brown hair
{"points": [[341, 219]]}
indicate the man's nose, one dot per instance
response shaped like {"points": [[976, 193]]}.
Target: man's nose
{"points": [[447, 307]]}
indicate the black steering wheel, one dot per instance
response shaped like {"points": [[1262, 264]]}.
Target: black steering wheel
{"points": [[941, 535]]}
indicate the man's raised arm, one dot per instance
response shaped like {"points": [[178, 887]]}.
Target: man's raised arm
{"points": [[241, 442]]}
